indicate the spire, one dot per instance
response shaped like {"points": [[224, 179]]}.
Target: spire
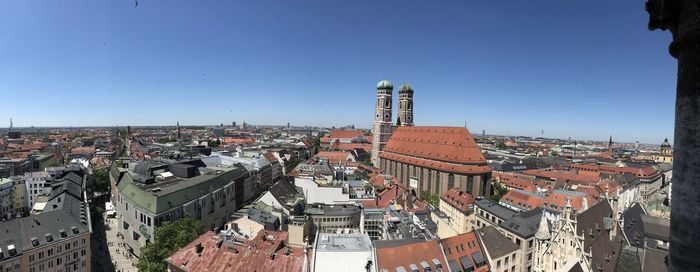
{"points": [[610, 143], [11, 125], [178, 130], [542, 233]]}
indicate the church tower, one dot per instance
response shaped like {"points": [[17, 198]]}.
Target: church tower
{"points": [[405, 117], [382, 129]]}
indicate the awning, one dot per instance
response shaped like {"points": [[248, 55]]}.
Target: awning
{"points": [[466, 262]]}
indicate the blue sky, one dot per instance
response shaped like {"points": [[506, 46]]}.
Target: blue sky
{"points": [[585, 69]]}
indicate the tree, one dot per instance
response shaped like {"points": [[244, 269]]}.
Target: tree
{"points": [[169, 237], [101, 185], [499, 190], [433, 199], [501, 145]]}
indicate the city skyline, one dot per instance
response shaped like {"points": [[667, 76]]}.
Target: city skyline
{"points": [[313, 63]]}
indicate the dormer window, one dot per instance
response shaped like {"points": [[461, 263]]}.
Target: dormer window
{"points": [[49, 238], [63, 233], [35, 242]]}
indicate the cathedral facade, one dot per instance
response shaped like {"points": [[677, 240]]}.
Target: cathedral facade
{"points": [[425, 158]]}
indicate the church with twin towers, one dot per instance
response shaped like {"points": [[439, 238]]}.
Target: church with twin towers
{"points": [[425, 158]]}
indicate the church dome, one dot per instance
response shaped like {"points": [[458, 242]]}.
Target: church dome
{"points": [[666, 143], [405, 88], [385, 85]]}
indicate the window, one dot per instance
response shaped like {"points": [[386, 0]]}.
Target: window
{"points": [[470, 184], [498, 264], [450, 181], [529, 244]]}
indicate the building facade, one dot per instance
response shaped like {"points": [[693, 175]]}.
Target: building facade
{"points": [[435, 159], [144, 202]]}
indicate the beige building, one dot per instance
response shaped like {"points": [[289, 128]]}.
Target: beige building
{"points": [[19, 200], [459, 207]]}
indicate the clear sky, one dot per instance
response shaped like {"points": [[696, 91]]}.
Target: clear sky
{"points": [[585, 69]]}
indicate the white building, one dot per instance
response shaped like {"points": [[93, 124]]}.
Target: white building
{"points": [[315, 193], [343, 252], [36, 185]]}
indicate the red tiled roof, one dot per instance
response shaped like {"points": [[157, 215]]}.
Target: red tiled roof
{"points": [[390, 258], [83, 150], [441, 166], [522, 200], [350, 146], [254, 255], [644, 172], [334, 156], [463, 245], [448, 144], [241, 141], [560, 201], [513, 181], [562, 176], [458, 199], [346, 134]]}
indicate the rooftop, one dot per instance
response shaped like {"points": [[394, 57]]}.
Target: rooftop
{"points": [[495, 243]]}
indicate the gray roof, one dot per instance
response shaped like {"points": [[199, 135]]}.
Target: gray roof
{"points": [[65, 216], [495, 243], [164, 195], [10, 232], [595, 225], [495, 208], [524, 224], [632, 219], [333, 210], [398, 242], [262, 217], [343, 242], [656, 227]]}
